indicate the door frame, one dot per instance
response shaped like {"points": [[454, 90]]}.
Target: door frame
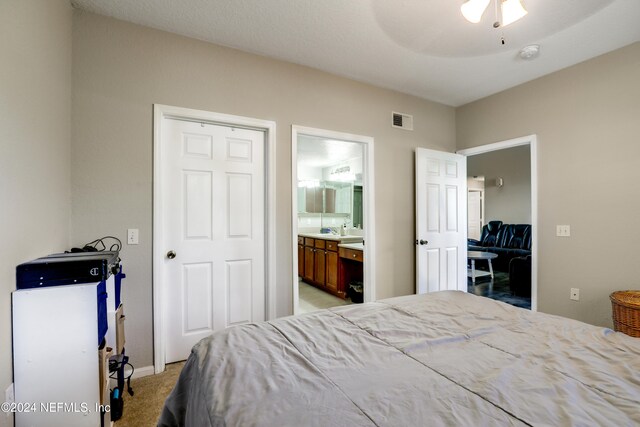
{"points": [[161, 112], [368, 204], [469, 190], [532, 141]]}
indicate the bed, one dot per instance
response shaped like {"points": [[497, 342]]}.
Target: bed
{"points": [[441, 359]]}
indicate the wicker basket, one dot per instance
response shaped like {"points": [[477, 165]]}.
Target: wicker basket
{"points": [[626, 312]]}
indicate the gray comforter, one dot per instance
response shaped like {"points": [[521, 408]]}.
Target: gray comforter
{"points": [[441, 359]]}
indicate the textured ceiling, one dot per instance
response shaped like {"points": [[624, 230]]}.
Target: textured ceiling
{"points": [[420, 47]]}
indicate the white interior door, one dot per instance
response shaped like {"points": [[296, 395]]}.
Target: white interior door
{"points": [[441, 221], [474, 210], [213, 212]]}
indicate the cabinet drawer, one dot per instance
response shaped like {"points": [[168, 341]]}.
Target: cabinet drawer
{"points": [[300, 240], [308, 241], [332, 246], [351, 254], [320, 243]]}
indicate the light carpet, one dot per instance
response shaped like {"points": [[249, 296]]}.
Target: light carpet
{"points": [[150, 392]]}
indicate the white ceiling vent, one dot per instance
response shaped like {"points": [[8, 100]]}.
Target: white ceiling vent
{"points": [[402, 121]]}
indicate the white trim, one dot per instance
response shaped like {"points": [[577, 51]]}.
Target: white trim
{"points": [[145, 371], [510, 143], [269, 127], [368, 211], [532, 141], [477, 190]]}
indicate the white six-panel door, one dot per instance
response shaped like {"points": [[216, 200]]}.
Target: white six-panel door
{"points": [[441, 221], [213, 222]]}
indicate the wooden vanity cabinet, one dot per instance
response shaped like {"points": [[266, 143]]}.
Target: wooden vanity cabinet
{"points": [[332, 268], [300, 256], [319, 260], [350, 266], [351, 254], [321, 266], [309, 264]]}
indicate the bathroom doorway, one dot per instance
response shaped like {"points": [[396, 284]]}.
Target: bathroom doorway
{"points": [[333, 237]]}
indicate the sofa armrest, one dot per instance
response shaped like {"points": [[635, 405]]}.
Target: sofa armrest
{"points": [[473, 242]]}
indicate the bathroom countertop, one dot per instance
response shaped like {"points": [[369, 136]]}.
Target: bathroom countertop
{"points": [[355, 246], [329, 236]]}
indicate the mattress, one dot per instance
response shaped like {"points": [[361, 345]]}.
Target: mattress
{"points": [[441, 359]]}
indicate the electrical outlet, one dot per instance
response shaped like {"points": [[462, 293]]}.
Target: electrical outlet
{"points": [[133, 236], [575, 294], [563, 230]]}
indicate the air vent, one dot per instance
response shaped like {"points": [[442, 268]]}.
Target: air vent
{"points": [[401, 121]]}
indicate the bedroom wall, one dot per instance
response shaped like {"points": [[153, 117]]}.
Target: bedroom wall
{"points": [[510, 203], [120, 70], [35, 127], [586, 119]]}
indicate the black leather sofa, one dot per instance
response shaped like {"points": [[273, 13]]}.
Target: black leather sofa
{"points": [[520, 276], [508, 241]]}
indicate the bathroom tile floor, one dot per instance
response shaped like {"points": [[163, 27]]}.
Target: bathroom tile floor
{"points": [[312, 299]]}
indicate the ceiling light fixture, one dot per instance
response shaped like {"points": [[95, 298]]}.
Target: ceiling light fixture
{"points": [[510, 11], [473, 10]]}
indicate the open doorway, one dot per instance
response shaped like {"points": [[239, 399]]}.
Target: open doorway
{"points": [[502, 203], [475, 206], [332, 194]]}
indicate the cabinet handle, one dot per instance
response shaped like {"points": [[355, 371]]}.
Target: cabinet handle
{"points": [[354, 255]]}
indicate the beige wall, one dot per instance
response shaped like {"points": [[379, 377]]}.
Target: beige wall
{"points": [[510, 203], [35, 126], [587, 121], [585, 118], [120, 70]]}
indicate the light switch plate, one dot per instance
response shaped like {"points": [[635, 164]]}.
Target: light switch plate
{"points": [[133, 236], [563, 230]]}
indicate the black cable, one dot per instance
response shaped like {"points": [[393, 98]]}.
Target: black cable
{"points": [[129, 389], [114, 374], [103, 247]]}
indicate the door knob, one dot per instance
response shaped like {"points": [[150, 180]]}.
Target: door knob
{"points": [[422, 242], [171, 254]]}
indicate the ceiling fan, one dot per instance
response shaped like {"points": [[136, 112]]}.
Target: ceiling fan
{"points": [[510, 11]]}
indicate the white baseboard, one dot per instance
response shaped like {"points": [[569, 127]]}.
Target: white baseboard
{"points": [[139, 372]]}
